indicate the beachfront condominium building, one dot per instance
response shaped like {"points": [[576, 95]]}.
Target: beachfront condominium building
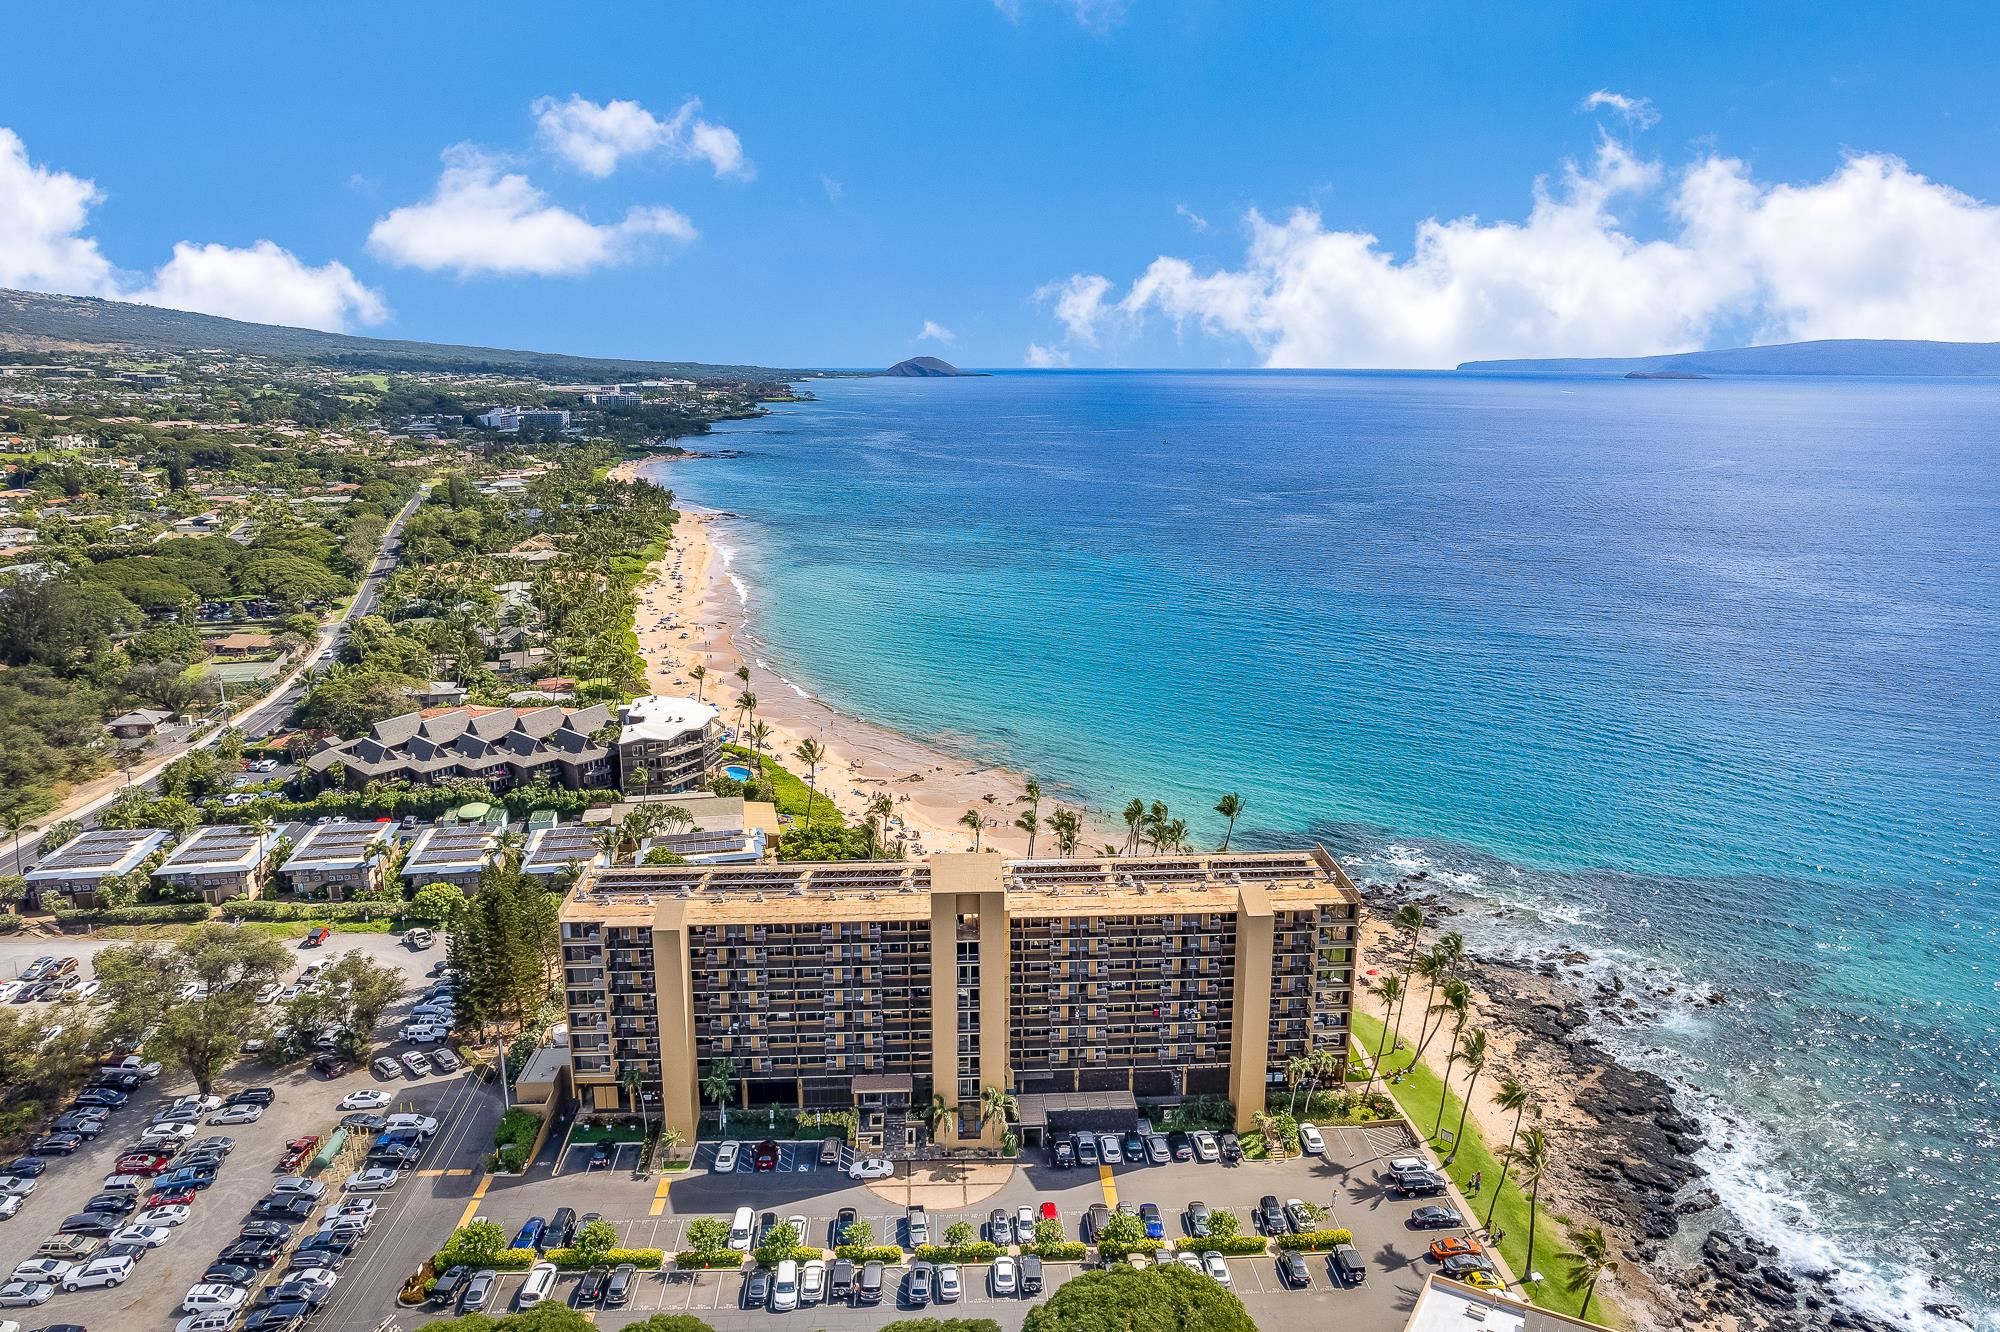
{"points": [[668, 744], [1067, 982]]}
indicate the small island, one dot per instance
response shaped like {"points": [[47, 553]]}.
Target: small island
{"points": [[928, 367]]}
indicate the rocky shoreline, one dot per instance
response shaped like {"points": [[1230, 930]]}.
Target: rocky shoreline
{"points": [[1626, 1150]]}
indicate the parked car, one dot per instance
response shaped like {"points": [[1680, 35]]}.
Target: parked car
{"points": [[1006, 1278], [764, 1156], [1086, 1149], [619, 1288], [840, 1280], [1157, 1150], [785, 1287], [541, 1283], [590, 1290], [241, 1113], [917, 1285], [372, 1179], [1455, 1246], [918, 1222], [1218, 1269], [871, 1167], [479, 1290], [209, 1296], [757, 1289], [838, 1232], [1347, 1265], [1231, 1148], [1311, 1140], [1062, 1154], [868, 1288], [1109, 1149], [530, 1234], [1435, 1217], [1031, 1273], [1270, 1217], [1292, 1270], [725, 1157], [1093, 1222], [1196, 1219], [418, 1065], [367, 1099], [999, 1228], [25, 1294], [1298, 1216], [1149, 1214], [444, 1060]]}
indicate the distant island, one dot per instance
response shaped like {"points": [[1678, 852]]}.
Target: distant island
{"points": [[1844, 356], [928, 367]]}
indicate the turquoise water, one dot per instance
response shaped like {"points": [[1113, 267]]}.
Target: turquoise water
{"points": [[1700, 676], [736, 772]]}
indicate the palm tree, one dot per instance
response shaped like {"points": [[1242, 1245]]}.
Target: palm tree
{"points": [[609, 839], [1327, 1064], [1389, 990], [1471, 1052], [633, 1080], [1409, 919], [1297, 1069], [1516, 1097], [1591, 1261], [1457, 998], [17, 821], [879, 810], [698, 674], [1031, 796], [1229, 807], [1067, 827], [995, 1103], [1454, 999], [939, 1112], [743, 674], [633, 829], [641, 776], [1177, 835], [760, 737], [1534, 1164], [972, 819], [718, 1086], [1157, 818], [1135, 814], [746, 706], [812, 755], [1029, 824]]}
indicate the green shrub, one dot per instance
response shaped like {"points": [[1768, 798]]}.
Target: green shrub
{"points": [[507, 1260], [869, 1253], [689, 1259], [171, 913], [645, 1260], [1118, 1248], [1062, 1251], [246, 908], [1233, 1246], [978, 1251], [515, 1138], [1316, 1239]]}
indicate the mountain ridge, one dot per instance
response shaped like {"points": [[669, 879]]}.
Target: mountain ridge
{"points": [[1828, 356]]}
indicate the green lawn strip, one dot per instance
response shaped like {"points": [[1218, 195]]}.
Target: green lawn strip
{"points": [[791, 788], [1418, 1094]]}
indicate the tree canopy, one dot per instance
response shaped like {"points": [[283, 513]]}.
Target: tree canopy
{"points": [[1153, 1299]]}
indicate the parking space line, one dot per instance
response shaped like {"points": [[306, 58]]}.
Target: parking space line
{"points": [[660, 1195], [472, 1204], [1110, 1188]]}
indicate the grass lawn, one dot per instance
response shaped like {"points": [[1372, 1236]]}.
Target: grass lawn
{"points": [[1419, 1093], [296, 929], [791, 789]]}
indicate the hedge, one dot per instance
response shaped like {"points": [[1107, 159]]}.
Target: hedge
{"points": [[12, 924], [1233, 1246], [169, 913], [507, 1260], [1063, 1251], [799, 1253], [644, 1259], [250, 908], [694, 1258], [869, 1253], [513, 1138], [1114, 1250], [1316, 1239], [979, 1251]]}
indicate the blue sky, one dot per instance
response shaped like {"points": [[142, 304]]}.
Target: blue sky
{"points": [[1011, 173]]}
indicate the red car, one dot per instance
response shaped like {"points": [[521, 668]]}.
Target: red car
{"points": [[178, 1198], [764, 1156], [143, 1163], [1049, 1212]]}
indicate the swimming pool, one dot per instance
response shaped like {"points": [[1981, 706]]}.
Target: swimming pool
{"points": [[736, 772]]}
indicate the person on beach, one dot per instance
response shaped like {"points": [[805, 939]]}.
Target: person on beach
{"points": [[1477, 1175]]}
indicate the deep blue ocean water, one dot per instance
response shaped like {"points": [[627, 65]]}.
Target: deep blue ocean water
{"points": [[1703, 677]]}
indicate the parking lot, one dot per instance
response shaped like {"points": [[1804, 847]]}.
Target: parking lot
{"points": [[647, 1214], [409, 1216]]}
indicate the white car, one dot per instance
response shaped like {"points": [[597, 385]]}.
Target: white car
{"points": [[214, 1295], [25, 1294], [725, 1157], [8, 989], [88, 990], [949, 1287], [268, 992], [149, 1237], [291, 992], [215, 1320], [1217, 1268], [167, 1133], [871, 1167], [1110, 1149], [422, 1034], [541, 1283], [417, 1064], [126, 1183], [1191, 1261], [18, 1184], [1407, 1165], [1006, 1277], [372, 1180], [423, 1124], [364, 1208], [240, 1113], [785, 1289], [297, 1186], [172, 1214], [363, 1100], [812, 1281], [43, 1269], [1310, 1139], [10, 1203], [1206, 1148], [99, 1272]]}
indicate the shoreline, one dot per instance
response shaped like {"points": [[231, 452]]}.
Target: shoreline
{"points": [[1636, 1174]]}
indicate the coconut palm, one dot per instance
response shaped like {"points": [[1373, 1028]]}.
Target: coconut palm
{"points": [[609, 839], [1158, 818], [1297, 1069], [994, 1103], [1390, 991], [1030, 824], [973, 820], [1409, 920], [1471, 1053], [1457, 998], [938, 1113], [1229, 807], [1534, 1164], [17, 821], [743, 674], [719, 1086], [1031, 796], [642, 777], [1135, 815], [698, 674], [633, 1080], [1513, 1096], [812, 754], [878, 813], [633, 830], [1067, 827], [1328, 1066], [760, 739], [746, 707], [1591, 1260]]}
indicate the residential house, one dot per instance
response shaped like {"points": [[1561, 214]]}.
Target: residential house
{"points": [[221, 861], [561, 848], [240, 644], [138, 723], [502, 747], [85, 861], [339, 860], [453, 853]]}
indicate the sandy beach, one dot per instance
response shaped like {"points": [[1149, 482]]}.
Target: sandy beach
{"points": [[690, 614]]}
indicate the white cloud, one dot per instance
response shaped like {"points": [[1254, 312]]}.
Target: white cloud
{"points": [[1873, 250], [933, 331], [594, 137], [264, 284], [1097, 15], [1637, 111], [834, 189], [1045, 358], [1194, 219], [43, 214], [482, 219]]}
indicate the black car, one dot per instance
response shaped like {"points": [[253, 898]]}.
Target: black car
{"points": [[27, 1167], [341, 1245], [104, 1096], [590, 1290], [1270, 1216], [766, 1223], [363, 1122], [207, 1161], [561, 1232], [1031, 1274], [1232, 1147], [1292, 1270], [332, 1260], [1347, 1265], [757, 1289], [265, 1230], [868, 1288], [80, 1122], [394, 1157], [848, 1216], [254, 1096], [133, 1251], [1196, 1219], [118, 1081], [1093, 1221], [56, 1144], [1180, 1146], [262, 1253], [308, 1293], [230, 1274], [283, 1209], [1000, 1227], [1435, 1218], [619, 1288], [1419, 1184], [840, 1279], [449, 1283], [1135, 1147], [277, 1317], [1063, 1154], [115, 1204], [918, 1285]]}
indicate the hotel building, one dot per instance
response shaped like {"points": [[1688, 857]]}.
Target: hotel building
{"points": [[1066, 982]]}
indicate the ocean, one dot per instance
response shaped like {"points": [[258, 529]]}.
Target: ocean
{"points": [[1701, 677]]}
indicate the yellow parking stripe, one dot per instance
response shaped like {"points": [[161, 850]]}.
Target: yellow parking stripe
{"points": [[1110, 1188], [472, 1207], [660, 1195]]}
